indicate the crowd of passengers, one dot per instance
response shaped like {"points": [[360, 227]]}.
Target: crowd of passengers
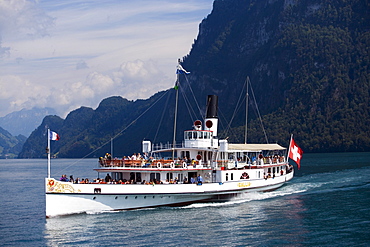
{"points": [[108, 180], [144, 158], [148, 159]]}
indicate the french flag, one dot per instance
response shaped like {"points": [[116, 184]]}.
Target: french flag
{"points": [[54, 136]]}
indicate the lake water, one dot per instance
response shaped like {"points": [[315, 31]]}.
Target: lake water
{"points": [[326, 204]]}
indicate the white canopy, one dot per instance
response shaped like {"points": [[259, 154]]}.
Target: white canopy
{"points": [[254, 147]]}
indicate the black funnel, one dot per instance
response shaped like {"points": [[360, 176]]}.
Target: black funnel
{"points": [[212, 106]]}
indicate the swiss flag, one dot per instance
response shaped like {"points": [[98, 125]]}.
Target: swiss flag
{"points": [[295, 153]]}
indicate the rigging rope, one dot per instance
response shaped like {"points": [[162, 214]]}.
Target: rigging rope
{"points": [[118, 134]]}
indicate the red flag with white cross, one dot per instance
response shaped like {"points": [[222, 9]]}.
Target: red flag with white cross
{"points": [[295, 153]]}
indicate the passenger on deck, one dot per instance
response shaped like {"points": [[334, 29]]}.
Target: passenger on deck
{"points": [[108, 156], [193, 163], [146, 157], [64, 178], [199, 180], [108, 178], [138, 156], [71, 179], [133, 157]]}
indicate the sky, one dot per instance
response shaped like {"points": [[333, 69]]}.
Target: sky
{"points": [[71, 53]]}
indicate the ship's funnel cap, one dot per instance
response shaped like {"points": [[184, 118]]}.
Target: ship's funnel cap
{"points": [[212, 106]]}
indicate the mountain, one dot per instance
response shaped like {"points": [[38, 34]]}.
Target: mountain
{"points": [[308, 63], [10, 145], [84, 129], [23, 122]]}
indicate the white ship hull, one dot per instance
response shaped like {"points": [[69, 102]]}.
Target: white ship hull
{"points": [[202, 169], [64, 198]]}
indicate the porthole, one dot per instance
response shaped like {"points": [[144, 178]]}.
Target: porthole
{"points": [[94, 198], [135, 197], [126, 197], [144, 197], [116, 197]]}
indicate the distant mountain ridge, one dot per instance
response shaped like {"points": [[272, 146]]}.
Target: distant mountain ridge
{"points": [[308, 62], [10, 145], [25, 121]]}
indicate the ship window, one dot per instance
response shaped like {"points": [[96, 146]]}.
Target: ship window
{"points": [[227, 176], [155, 176], [189, 135], [138, 177], [169, 176], [200, 135], [277, 169], [195, 135], [269, 170], [232, 176]]}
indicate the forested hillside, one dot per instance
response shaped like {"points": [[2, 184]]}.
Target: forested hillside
{"points": [[10, 145], [308, 63]]}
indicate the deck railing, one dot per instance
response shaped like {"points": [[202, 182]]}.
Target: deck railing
{"points": [[179, 164]]}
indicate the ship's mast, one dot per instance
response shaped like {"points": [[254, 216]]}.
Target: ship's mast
{"points": [[175, 120], [246, 113]]}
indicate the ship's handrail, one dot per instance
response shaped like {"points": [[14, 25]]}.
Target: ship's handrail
{"points": [[259, 162], [142, 163], [166, 146]]}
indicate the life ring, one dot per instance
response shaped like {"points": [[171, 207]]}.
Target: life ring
{"points": [[51, 182], [172, 165], [159, 165], [184, 165], [199, 157]]}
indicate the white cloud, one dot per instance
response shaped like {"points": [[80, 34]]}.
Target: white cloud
{"points": [[65, 54]]}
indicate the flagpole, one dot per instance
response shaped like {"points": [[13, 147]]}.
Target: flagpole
{"points": [[48, 151], [174, 124], [290, 142]]}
